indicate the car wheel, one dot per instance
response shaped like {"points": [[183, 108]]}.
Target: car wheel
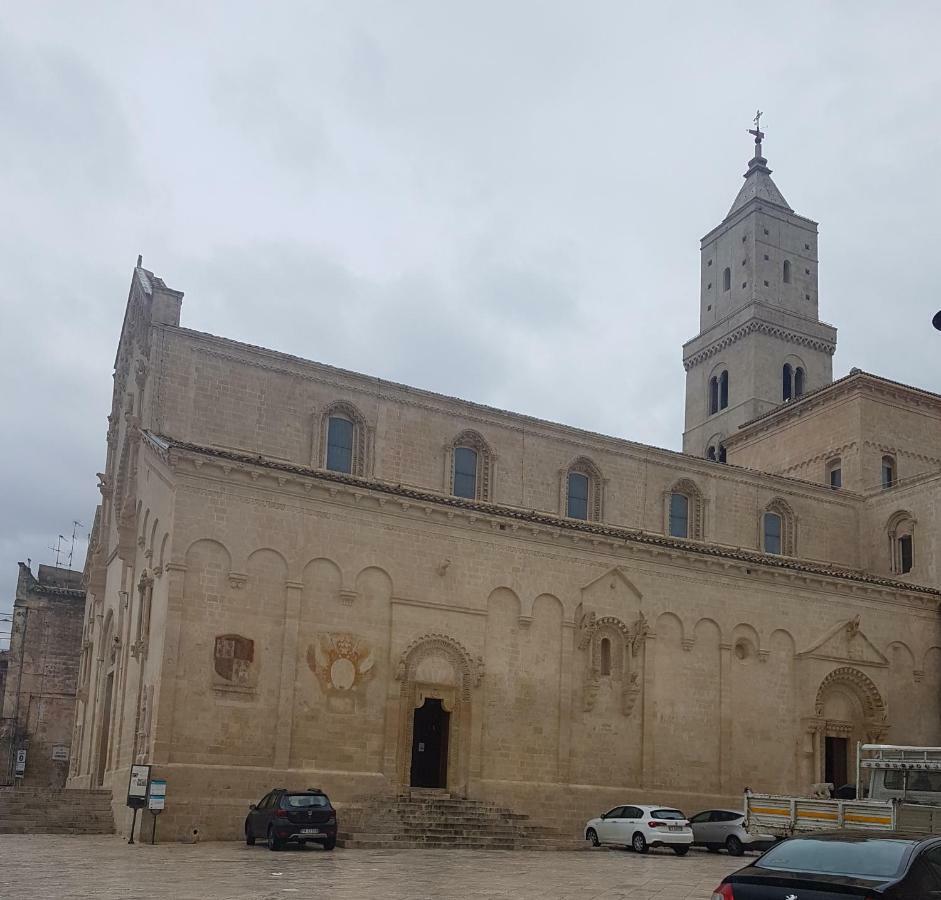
{"points": [[273, 842], [249, 837], [330, 844], [712, 848], [681, 849], [639, 843], [592, 835], [734, 846]]}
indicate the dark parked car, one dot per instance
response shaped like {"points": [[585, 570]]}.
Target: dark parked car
{"points": [[300, 816], [841, 866]]}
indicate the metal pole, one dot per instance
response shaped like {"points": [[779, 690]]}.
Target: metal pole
{"points": [[153, 834], [130, 840]]}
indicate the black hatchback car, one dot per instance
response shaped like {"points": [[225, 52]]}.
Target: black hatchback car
{"points": [[841, 866], [299, 816]]}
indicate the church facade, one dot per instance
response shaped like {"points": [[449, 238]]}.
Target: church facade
{"points": [[306, 576]]}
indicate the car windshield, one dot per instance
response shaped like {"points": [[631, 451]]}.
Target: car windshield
{"points": [[667, 814], [306, 801], [864, 858]]}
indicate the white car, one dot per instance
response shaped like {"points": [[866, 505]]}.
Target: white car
{"points": [[718, 828], [640, 828]]}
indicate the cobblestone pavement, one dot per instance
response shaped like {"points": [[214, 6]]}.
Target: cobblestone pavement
{"points": [[53, 867]]}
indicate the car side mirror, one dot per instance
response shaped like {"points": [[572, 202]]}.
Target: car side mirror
{"points": [[252, 806]]}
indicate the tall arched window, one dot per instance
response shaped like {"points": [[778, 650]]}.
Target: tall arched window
{"points": [[465, 472], [577, 503], [787, 271], [711, 453], [581, 491], [773, 527], [786, 382], [340, 444], [713, 395], [727, 279], [344, 439], [605, 656], [889, 474], [679, 515], [835, 473], [901, 533], [684, 510], [470, 465], [778, 529], [724, 389], [798, 382]]}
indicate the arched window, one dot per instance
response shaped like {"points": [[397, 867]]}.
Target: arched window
{"points": [[786, 382], [772, 532], [835, 473], [344, 439], [683, 509], [605, 656], [711, 453], [679, 515], [777, 527], [798, 382], [721, 453], [470, 463], [727, 279], [465, 472], [340, 444], [901, 533], [787, 271], [889, 474], [577, 503], [581, 491], [713, 395], [724, 389]]}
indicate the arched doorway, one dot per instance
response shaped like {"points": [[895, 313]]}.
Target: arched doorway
{"points": [[849, 710], [437, 677]]}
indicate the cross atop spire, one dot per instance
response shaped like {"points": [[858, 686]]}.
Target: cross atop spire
{"points": [[758, 133]]}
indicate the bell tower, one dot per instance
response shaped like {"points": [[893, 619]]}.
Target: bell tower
{"points": [[760, 340]]}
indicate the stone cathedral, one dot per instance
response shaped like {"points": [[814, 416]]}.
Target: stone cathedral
{"points": [[301, 575]]}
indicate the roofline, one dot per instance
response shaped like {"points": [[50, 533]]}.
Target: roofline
{"points": [[798, 407], [169, 445], [704, 466]]}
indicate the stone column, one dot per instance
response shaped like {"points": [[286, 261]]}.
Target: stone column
{"points": [[292, 605], [648, 770], [162, 717], [725, 722], [566, 700]]}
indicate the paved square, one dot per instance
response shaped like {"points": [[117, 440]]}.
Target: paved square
{"points": [[53, 867]]}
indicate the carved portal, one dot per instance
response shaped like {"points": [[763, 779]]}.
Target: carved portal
{"points": [[435, 666]]}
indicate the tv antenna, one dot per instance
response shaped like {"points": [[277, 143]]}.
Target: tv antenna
{"points": [[75, 526], [57, 549]]}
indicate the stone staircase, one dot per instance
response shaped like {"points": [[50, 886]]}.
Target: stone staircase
{"points": [[434, 820], [46, 811]]}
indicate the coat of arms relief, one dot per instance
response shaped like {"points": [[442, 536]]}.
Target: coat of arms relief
{"points": [[341, 661]]}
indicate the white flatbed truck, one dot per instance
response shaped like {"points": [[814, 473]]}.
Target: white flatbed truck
{"points": [[897, 788]]}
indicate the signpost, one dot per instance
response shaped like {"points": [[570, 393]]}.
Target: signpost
{"points": [[19, 767], [156, 801], [137, 793]]}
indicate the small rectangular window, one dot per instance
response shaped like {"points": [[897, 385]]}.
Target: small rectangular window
{"points": [[888, 472], [836, 477]]}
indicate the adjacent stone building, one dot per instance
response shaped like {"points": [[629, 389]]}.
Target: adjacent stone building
{"points": [[306, 576], [37, 696]]}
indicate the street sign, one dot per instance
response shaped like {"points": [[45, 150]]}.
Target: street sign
{"points": [[137, 786], [19, 768], [60, 753], [158, 795]]}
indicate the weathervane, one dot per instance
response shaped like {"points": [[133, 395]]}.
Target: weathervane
{"points": [[757, 132]]}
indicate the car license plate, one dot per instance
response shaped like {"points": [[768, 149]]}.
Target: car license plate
{"points": [[310, 831], [676, 828]]}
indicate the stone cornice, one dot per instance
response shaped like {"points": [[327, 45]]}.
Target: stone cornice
{"points": [[756, 326], [521, 522]]}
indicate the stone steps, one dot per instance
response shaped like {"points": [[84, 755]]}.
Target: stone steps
{"points": [[37, 811], [431, 820]]}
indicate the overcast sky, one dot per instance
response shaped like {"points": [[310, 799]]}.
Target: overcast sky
{"points": [[497, 200]]}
